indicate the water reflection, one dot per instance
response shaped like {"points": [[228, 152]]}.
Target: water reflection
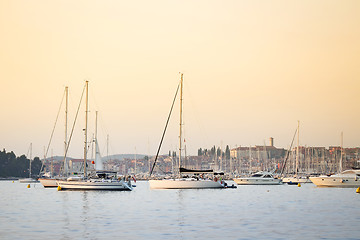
{"points": [[66, 218], [85, 210], [181, 215]]}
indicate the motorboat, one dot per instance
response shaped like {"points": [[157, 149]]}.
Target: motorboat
{"points": [[259, 178], [348, 178]]}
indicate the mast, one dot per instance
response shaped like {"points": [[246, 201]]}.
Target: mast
{"points": [[107, 147], [249, 159], [65, 141], [96, 117], [135, 161], [341, 157], [180, 136], [86, 119], [297, 150], [52, 166], [30, 160]]}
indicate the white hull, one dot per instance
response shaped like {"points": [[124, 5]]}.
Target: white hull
{"points": [[28, 180], [95, 185], [348, 178], [294, 180], [185, 183], [336, 181], [48, 182], [257, 181]]}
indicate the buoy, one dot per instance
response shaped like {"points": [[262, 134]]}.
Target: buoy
{"points": [[358, 190], [28, 186], [59, 188], [13, 181], [299, 185]]}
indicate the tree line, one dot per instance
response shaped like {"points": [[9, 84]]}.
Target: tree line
{"points": [[13, 166], [215, 151]]}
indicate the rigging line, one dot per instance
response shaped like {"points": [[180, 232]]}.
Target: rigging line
{"points": [[72, 129], [288, 153], [163, 135], [52, 133]]}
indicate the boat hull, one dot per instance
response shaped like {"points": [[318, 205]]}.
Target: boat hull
{"points": [[185, 184], [294, 180], [342, 182], [257, 181], [28, 180], [48, 182], [95, 185]]}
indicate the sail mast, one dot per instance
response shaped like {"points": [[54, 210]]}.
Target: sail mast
{"points": [[30, 159], [66, 122], [297, 149], [180, 136], [341, 157], [86, 119]]}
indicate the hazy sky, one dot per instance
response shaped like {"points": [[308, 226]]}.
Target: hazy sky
{"points": [[251, 70]]}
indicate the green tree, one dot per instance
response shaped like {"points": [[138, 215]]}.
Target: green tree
{"points": [[227, 152]]}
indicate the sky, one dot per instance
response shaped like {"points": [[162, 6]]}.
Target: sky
{"points": [[252, 70]]}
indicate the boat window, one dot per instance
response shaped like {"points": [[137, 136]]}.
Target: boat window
{"points": [[267, 176], [256, 175]]}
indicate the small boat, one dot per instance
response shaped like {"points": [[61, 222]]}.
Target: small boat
{"points": [[29, 179], [347, 178], [48, 182], [296, 180], [259, 178]]}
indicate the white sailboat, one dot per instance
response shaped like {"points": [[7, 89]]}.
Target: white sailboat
{"points": [[198, 179], [30, 179], [50, 181], [296, 179], [103, 180]]}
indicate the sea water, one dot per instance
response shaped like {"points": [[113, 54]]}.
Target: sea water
{"points": [[248, 212]]}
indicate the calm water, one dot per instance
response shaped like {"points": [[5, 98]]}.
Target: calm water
{"points": [[248, 212]]}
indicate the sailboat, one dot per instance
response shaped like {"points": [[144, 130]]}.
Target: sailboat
{"points": [[296, 179], [103, 180], [30, 179], [50, 181], [187, 178]]}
